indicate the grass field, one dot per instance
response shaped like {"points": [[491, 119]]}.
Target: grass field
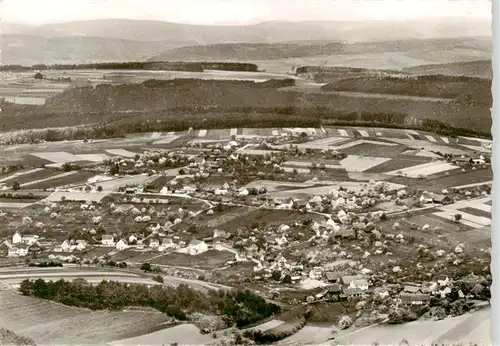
{"points": [[377, 150], [47, 322], [356, 163], [184, 334], [208, 260], [80, 177], [29, 177]]}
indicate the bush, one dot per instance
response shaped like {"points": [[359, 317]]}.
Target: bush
{"points": [[276, 334], [158, 278], [146, 267]]}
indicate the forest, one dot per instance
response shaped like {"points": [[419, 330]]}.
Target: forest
{"points": [[238, 308]]}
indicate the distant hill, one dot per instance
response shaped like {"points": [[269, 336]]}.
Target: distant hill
{"points": [[432, 50], [267, 32], [126, 40], [478, 68], [30, 50]]}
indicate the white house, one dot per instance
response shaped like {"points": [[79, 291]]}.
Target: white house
{"points": [[133, 238], [29, 238], [154, 243], [316, 273], [16, 238], [81, 245], [281, 241], [443, 280], [196, 247], [361, 284], [220, 192], [108, 240], [65, 246], [121, 245], [18, 250]]}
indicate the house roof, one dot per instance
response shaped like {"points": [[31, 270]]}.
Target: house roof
{"points": [[20, 246], [412, 289], [334, 288], [351, 291], [6, 243], [330, 276], [360, 282], [347, 279], [409, 297], [195, 242]]}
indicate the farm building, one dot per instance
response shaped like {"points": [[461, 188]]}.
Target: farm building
{"points": [[121, 245], [18, 250], [17, 238], [333, 292], [414, 298], [4, 248], [108, 240], [196, 247], [35, 249], [333, 277], [442, 199]]}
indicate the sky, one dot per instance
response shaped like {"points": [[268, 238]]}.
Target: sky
{"points": [[237, 12]]}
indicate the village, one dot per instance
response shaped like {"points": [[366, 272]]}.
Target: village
{"points": [[390, 226]]}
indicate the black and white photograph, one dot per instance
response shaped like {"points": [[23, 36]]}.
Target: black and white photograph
{"points": [[246, 172]]}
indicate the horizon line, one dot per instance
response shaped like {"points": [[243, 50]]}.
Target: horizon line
{"points": [[221, 24]]}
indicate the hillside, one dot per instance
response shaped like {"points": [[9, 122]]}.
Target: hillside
{"points": [[127, 40], [179, 104], [466, 90], [9, 338], [479, 68], [266, 32], [50, 323], [31, 50], [418, 50]]}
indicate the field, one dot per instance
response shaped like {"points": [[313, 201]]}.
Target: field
{"points": [[24, 89], [79, 177], [355, 163], [47, 322], [469, 328], [208, 260], [184, 334], [424, 169], [323, 190]]}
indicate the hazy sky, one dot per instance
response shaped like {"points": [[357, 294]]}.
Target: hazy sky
{"points": [[237, 11]]}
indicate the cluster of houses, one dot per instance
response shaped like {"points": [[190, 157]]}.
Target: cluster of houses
{"points": [[343, 287], [159, 240], [20, 246]]}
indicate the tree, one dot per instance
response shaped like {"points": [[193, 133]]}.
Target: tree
{"points": [[16, 186], [99, 188], [287, 279], [67, 167], [158, 278], [345, 322], [38, 75], [458, 217], [146, 267], [276, 275], [114, 169]]}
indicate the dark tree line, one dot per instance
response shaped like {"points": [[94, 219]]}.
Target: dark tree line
{"points": [[237, 307], [137, 65]]}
